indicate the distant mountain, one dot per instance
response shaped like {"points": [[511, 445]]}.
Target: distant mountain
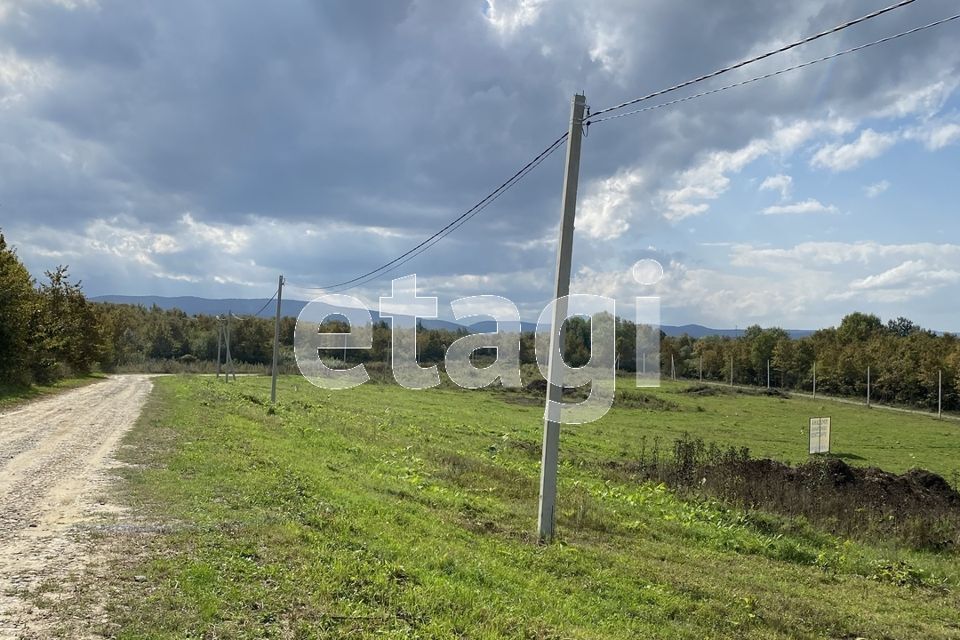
{"points": [[699, 331], [192, 305]]}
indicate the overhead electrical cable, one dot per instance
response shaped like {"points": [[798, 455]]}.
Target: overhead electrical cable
{"points": [[457, 222], [780, 72], [748, 61], [265, 304]]}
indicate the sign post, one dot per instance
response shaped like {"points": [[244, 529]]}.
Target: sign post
{"points": [[819, 435]]}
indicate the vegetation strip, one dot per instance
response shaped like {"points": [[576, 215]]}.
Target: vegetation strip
{"points": [[381, 512]]}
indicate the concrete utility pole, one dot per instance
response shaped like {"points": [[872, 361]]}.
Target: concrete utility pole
{"points": [[276, 342], [219, 343], [868, 386], [546, 519], [644, 363], [940, 394], [673, 368], [230, 368], [814, 378], [768, 373]]}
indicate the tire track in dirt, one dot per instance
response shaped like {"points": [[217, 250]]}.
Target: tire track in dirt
{"points": [[53, 458]]}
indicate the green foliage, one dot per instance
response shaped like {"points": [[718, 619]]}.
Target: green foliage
{"points": [[380, 512], [65, 334], [49, 332], [17, 298], [904, 360]]}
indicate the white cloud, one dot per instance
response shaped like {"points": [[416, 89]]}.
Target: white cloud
{"points": [[224, 254], [875, 189], [924, 102], [507, 16], [709, 178], [780, 182], [842, 157], [807, 206], [836, 253], [935, 135], [231, 239], [20, 77], [796, 286], [609, 204], [912, 274]]}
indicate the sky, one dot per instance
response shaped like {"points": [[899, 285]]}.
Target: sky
{"points": [[184, 148]]}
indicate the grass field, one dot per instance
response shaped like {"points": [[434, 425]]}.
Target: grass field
{"points": [[382, 512], [15, 395]]}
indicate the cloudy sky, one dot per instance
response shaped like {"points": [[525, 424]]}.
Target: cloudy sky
{"points": [[201, 148]]}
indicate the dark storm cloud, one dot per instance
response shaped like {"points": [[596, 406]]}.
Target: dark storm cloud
{"points": [[395, 114]]}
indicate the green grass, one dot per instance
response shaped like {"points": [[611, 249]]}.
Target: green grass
{"points": [[777, 427], [11, 396], [382, 512]]}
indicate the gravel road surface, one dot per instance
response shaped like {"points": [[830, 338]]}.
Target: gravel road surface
{"points": [[54, 455]]}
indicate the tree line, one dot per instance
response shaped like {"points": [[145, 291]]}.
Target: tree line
{"points": [[905, 360], [49, 330]]}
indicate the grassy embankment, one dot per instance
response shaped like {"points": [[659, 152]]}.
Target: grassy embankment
{"points": [[11, 396], [382, 512]]}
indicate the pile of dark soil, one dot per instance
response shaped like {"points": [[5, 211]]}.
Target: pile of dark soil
{"points": [[702, 390], [918, 507], [538, 387], [718, 390], [832, 479]]}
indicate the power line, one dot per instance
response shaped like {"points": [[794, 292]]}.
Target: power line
{"points": [[781, 71], [516, 177], [452, 226], [748, 61], [266, 304], [460, 223]]}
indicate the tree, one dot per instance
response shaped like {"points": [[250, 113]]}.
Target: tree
{"points": [[17, 298], [902, 327], [859, 327], [64, 333]]}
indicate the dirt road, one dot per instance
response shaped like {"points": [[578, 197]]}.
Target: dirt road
{"points": [[53, 457]]}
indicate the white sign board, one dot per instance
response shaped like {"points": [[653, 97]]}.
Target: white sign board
{"points": [[819, 435]]}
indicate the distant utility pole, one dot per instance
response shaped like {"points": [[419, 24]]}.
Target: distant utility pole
{"points": [[673, 368], [276, 342], [768, 373], [940, 394], [219, 343], [814, 378], [731, 371], [701, 368], [868, 385], [230, 368], [644, 363], [546, 518]]}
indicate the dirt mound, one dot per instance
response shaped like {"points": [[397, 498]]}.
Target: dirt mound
{"points": [[866, 486], [774, 393], [701, 390], [539, 387], [918, 505]]}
